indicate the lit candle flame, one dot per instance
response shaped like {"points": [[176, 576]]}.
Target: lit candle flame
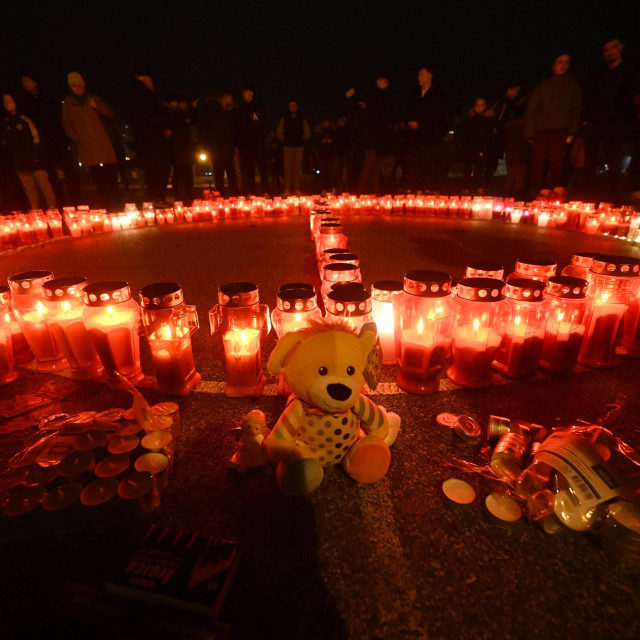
{"points": [[420, 326], [66, 306], [476, 326], [40, 308]]}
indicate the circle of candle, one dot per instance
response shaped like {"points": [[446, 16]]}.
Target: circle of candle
{"points": [[128, 429], [90, 440], [446, 419], [123, 444], [23, 500], [76, 463], [110, 415], [458, 491], [62, 496], [156, 440], [40, 475], [502, 507], [152, 462], [12, 478], [112, 466], [99, 491], [135, 485]]}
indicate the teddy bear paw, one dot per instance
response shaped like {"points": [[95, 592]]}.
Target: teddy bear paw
{"points": [[394, 428], [368, 460]]}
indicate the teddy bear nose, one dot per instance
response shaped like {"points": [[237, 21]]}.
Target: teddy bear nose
{"points": [[338, 391]]}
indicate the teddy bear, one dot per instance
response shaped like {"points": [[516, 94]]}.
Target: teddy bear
{"points": [[327, 419]]}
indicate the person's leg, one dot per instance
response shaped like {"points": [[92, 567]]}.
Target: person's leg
{"points": [[232, 177], [261, 163], [218, 170], [247, 171], [97, 175], [429, 164], [69, 168], [557, 148], [112, 190], [287, 161], [42, 178], [297, 168], [538, 157], [29, 186]]}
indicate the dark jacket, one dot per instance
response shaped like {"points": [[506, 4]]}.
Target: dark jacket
{"points": [[379, 122], [22, 142], [253, 125], [181, 143], [609, 95], [430, 112], [475, 134], [148, 123], [555, 104], [46, 113], [293, 132], [217, 127]]}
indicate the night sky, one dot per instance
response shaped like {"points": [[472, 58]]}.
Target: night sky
{"points": [[313, 51]]}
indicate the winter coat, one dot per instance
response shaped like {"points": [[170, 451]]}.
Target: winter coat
{"points": [[217, 128], [83, 124], [182, 145], [21, 141], [293, 131], [554, 105], [609, 95], [46, 114], [476, 134], [430, 112], [379, 122], [149, 121], [253, 125]]}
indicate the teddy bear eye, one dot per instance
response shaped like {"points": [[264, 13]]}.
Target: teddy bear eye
{"points": [[350, 370], [323, 371]]}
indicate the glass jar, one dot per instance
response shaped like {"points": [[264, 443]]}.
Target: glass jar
{"points": [[63, 299], [383, 292], [534, 268], [580, 265], [484, 270], [295, 309], [330, 236], [566, 297], [169, 323], [350, 305], [112, 318], [28, 305], [242, 321], [479, 326], [338, 272], [631, 328], [519, 351], [423, 315], [613, 281], [7, 372]]}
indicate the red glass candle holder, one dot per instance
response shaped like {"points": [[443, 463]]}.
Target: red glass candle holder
{"points": [[478, 330], [112, 318], [383, 293], [316, 218], [349, 304], [580, 265], [338, 272], [169, 323], [613, 281], [7, 372], [242, 321], [28, 305], [534, 268], [63, 299], [631, 328], [519, 351], [564, 330], [330, 236], [296, 308], [423, 316], [484, 270]]}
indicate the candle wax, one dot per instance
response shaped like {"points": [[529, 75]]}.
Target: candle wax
{"points": [[560, 347], [598, 346], [242, 361], [518, 353], [631, 329], [473, 350], [41, 342], [174, 364], [74, 341]]}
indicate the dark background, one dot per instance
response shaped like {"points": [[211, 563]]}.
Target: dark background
{"points": [[312, 50]]}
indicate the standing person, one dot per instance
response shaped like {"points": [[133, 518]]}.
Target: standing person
{"points": [[551, 121], [217, 131], [379, 124], [151, 134], [45, 112], [609, 116], [427, 122], [326, 144], [83, 119], [293, 131], [253, 129], [476, 136], [24, 151], [182, 148]]}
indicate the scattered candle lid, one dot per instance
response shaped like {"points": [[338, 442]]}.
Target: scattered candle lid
{"points": [[156, 440], [497, 427], [134, 485], [99, 491], [40, 475], [24, 500], [467, 428], [62, 496], [12, 478], [90, 440], [76, 463], [123, 444], [458, 491], [129, 428], [446, 419], [152, 462], [502, 507], [112, 466]]}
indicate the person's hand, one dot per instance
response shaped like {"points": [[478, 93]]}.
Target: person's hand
{"points": [[92, 103], [412, 124], [570, 139], [167, 133]]}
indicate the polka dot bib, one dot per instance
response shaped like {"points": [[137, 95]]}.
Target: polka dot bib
{"points": [[329, 436]]}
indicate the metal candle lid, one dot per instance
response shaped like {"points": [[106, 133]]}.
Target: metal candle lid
{"points": [[28, 281], [103, 294], [349, 302], [330, 228], [484, 270], [64, 288], [567, 287], [383, 290], [582, 259], [296, 285], [340, 272], [467, 428], [161, 295], [427, 284], [615, 266], [348, 258], [5, 295], [328, 254], [536, 266], [481, 289], [238, 294], [525, 289], [296, 300], [345, 287]]}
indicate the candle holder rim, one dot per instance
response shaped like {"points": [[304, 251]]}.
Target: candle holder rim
{"points": [[59, 288], [161, 295], [109, 287]]}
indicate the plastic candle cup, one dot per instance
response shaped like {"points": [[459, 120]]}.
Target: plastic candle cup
{"points": [[7, 372], [112, 317], [564, 330], [63, 299], [331, 256], [338, 272], [242, 321], [580, 265], [350, 305], [631, 328], [27, 302], [534, 268], [478, 329], [613, 282], [383, 293], [519, 351], [423, 317], [295, 309], [484, 270]]}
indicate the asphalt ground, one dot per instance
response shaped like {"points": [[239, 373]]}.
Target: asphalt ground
{"points": [[389, 560]]}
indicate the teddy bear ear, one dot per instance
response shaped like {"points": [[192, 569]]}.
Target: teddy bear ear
{"points": [[286, 344], [367, 337]]}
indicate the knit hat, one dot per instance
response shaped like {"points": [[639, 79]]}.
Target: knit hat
{"points": [[75, 78]]}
